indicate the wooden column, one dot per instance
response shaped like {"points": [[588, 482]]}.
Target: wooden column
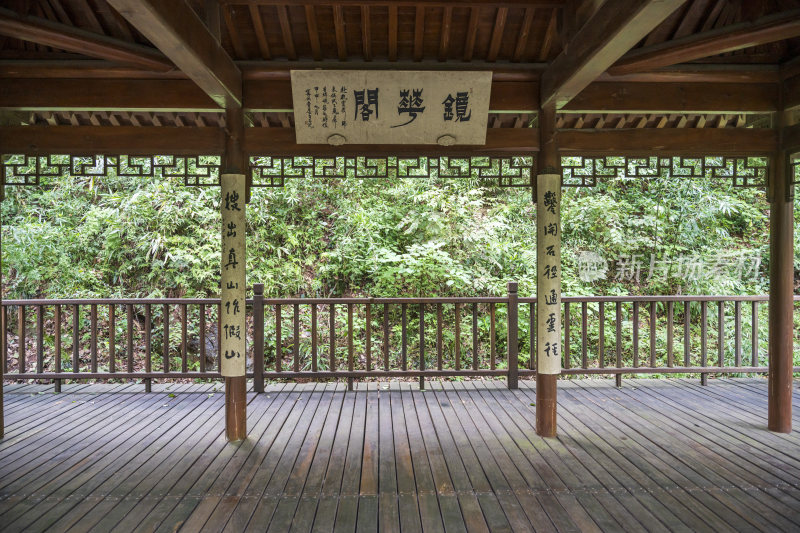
{"points": [[781, 289], [232, 349], [548, 266]]}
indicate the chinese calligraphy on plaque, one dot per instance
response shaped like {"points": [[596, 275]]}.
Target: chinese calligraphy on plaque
{"points": [[390, 107], [232, 313], [548, 265]]}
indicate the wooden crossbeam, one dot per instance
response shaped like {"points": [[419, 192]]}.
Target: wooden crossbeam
{"points": [[275, 94], [281, 141], [69, 38], [613, 30], [175, 29], [767, 29]]}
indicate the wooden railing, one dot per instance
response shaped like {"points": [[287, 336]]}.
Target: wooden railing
{"points": [[351, 338]]}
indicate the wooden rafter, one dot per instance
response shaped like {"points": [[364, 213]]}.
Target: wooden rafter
{"points": [[524, 33], [286, 31], [84, 42], [178, 32], [366, 33], [613, 30], [444, 40], [261, 37], [714, 42], [313, 33], [341, 38], [497, 34]]}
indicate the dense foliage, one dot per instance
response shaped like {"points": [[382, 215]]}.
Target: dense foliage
{"points": [[84, 237]]}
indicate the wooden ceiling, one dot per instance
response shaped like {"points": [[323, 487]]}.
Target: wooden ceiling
{"points": [[666, 65], [521, 31]]}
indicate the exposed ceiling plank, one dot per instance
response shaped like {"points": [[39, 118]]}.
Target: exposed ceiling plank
{"points": [[341, 38], [767, 29], [178, 32], [444, 42], [419, 33], [393, 33], [313, 33], [286, 31], [524, 33], [613, 30], [366, 33], [84, 42], [497, 33], [261, 37]]}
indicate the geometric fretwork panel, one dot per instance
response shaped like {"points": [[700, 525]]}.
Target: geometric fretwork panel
{"points": [[271, 171], [795, 162], [743, 171], [29, 170]]}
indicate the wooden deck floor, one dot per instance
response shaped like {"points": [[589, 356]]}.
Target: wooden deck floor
{"points": [[664, 455]]}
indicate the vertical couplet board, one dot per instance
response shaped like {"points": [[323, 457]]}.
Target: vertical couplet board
{"points": [[233, 356], [548, 277]]}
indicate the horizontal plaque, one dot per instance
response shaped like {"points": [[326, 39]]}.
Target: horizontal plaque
{"points": [[390, 107]]}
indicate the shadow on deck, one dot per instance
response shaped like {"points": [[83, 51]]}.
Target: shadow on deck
{"points": [[658, 455]]}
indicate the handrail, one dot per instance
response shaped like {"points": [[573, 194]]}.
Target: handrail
{"points": [[365, 337]]}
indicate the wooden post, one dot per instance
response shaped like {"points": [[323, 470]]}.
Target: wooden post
{"points": [[233, 200], [548, 282], [258, 337], [781, 289], [513, 336]]}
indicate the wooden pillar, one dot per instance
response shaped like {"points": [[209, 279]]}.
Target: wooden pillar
{"points": [[233, 356], [548, 282], [781, 289]]}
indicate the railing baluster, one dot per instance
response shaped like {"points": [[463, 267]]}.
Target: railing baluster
{"points": [[21, 336], [618, 310], [202, 337], [738, 332], [721, 334], [439, 336], [513, 336], [601, 334], [350, 353], [165, 362], [76, 335], [332, 337], [258, 337], [492, 342], [148, 344], [687, 337], [457, 347], [385, 347], [474, 336], [184, 334], [313, 337], [754, 335], [703, 340], [93, 333], [653, 325], [368, 339], [39, 339], [57, 342], [584, 336], [670, 333], [635, 334], [403, 339], [422, 345], [567, 356], [112, 338], [278, 340], [296, 333], [532, 330], [4, 337]]}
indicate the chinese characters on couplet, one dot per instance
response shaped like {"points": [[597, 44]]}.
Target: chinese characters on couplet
{"points": [[232, 316], [548, 261]]}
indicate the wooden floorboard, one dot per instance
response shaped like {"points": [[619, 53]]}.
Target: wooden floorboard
{"points": [[653, 455]]}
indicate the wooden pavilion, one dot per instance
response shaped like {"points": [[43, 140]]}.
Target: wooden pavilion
{"points": [[665, 81]]}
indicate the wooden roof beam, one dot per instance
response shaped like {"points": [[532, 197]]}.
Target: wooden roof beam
{"points": [[175, 29], [767, 29], [613, 30], [69, 38]]}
